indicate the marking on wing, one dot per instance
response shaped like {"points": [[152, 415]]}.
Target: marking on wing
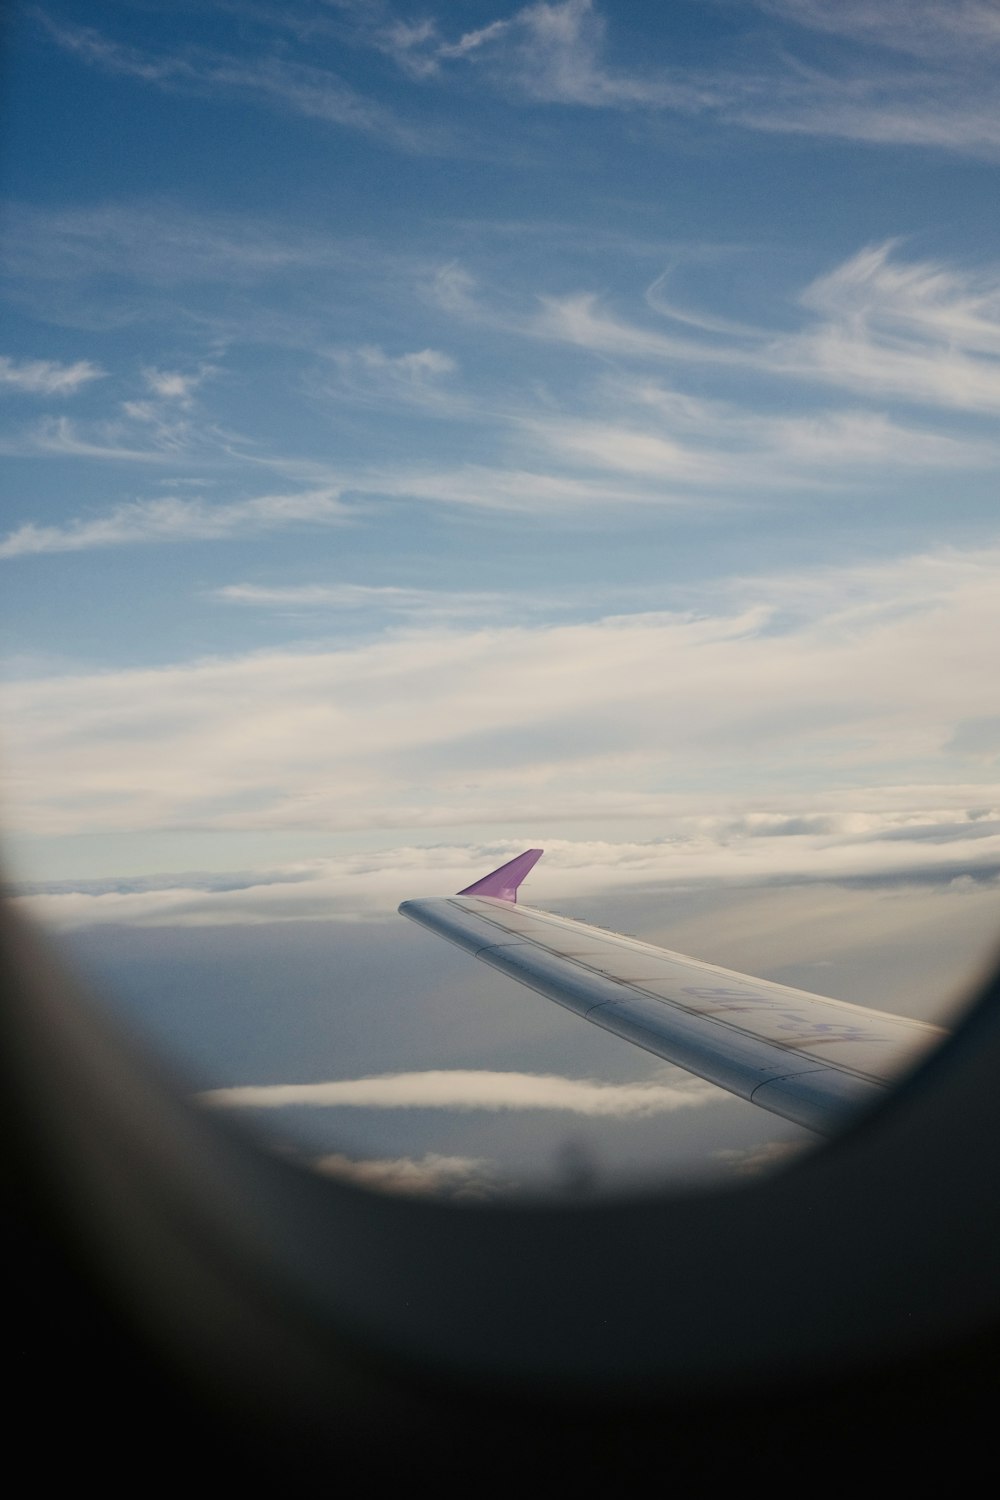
{"points": [[832, 1032]]}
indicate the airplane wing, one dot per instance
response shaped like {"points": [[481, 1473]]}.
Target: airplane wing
{"points": [[809, 1058]]}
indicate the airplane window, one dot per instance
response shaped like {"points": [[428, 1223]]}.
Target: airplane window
{"points": [[433, 436]]}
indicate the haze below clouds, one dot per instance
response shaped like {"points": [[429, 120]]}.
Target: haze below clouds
{"points": [[429, 435], [372, 1042]]}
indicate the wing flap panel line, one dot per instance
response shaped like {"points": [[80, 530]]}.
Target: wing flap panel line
{"points": [[794, 1096], [802, 1088], [740, 1064], [858, 1038]]}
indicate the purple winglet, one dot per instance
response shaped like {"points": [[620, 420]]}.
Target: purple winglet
{"points": [[504, 882]]}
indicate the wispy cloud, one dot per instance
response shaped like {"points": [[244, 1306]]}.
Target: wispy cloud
{"points": [[662, 436], [158, 243], [546, 53], [46, 377], [138, 436], [890, 72], [386, 598], [521, 491], [882, 112], [155, 430], [578, 318], [920, 331], [418, 47], [174, 520], [902, 332], [417, 378], [858, 678], [559, 54], [213, 277], [296, 87], [174, 385], [921, 28], [467, 1089], [628, 450], [162, 424]]}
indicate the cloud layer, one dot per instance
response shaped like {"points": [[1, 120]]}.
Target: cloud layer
{"points": [[434, 1174], [899, 845], [470, 1089], [868, 682]]}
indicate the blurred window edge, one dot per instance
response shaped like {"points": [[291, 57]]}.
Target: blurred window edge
{"points": [[257, 1277]]}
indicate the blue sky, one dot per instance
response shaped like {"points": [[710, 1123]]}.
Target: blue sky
{"points": [[434, 431]]}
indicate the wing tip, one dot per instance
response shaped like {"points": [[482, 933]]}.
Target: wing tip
{"points": [[502, 883]]}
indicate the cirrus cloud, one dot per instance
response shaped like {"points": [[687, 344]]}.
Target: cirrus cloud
{"points": [[174, 520], [46, 377]]}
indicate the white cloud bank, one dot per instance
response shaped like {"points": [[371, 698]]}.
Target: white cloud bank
{"points": [[469, 1089], [905, 843], [863, 690]]}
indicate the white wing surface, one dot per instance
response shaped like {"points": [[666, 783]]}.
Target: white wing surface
{"points": [[808, 1058]]}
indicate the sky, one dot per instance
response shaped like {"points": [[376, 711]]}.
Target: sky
{"points": [[433, 431]]}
